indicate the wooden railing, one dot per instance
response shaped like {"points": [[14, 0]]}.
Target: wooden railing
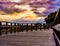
{"points": [[56, 34], [9, 27]]}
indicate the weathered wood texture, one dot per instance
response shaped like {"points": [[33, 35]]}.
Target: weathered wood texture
{"points": [[34, 38]]}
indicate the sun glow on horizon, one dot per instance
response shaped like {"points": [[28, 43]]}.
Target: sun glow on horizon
{"points": [[25, 15]]}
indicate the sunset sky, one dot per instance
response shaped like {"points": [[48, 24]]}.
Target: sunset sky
{"points": [[27, 10]]}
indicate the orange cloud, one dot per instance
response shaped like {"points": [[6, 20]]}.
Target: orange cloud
{"points": [[25, 15]]}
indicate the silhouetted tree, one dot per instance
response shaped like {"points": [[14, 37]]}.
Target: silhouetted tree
{"points": [[50, 18]]}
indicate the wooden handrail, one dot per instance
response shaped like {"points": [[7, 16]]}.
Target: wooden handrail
{"points": [[18, 26]]}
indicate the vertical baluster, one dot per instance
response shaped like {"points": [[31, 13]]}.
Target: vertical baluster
{"points": [[18, 28], [31, 27], [27, 28], [11, 28], [0, 29], [40, 26], [43, 26], [36, 27], [14, 27], [22, 27], [6, 32]]}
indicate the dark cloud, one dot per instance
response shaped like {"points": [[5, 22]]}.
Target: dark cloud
{"points": [[50, 5]]}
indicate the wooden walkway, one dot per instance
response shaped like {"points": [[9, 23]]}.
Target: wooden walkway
{"points": [[34, 38]]}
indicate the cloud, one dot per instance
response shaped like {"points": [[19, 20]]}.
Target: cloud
{"points": [[34, 4], [24, 15], [40, 8], [48, 4]]}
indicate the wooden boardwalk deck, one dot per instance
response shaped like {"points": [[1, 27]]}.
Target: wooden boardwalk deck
{"points": [[34, 38]]}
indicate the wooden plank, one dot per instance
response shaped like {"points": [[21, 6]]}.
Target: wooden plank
{"points": [[34, 38]]}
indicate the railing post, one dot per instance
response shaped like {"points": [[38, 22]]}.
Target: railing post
{"points": [[14, 27], [27, 27], [0, 29], [36, 27], [11, 28], [40, 26], [22, 27], [0, 23], [6, 32], [31, 27], [44, 26], [18, 28]]}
